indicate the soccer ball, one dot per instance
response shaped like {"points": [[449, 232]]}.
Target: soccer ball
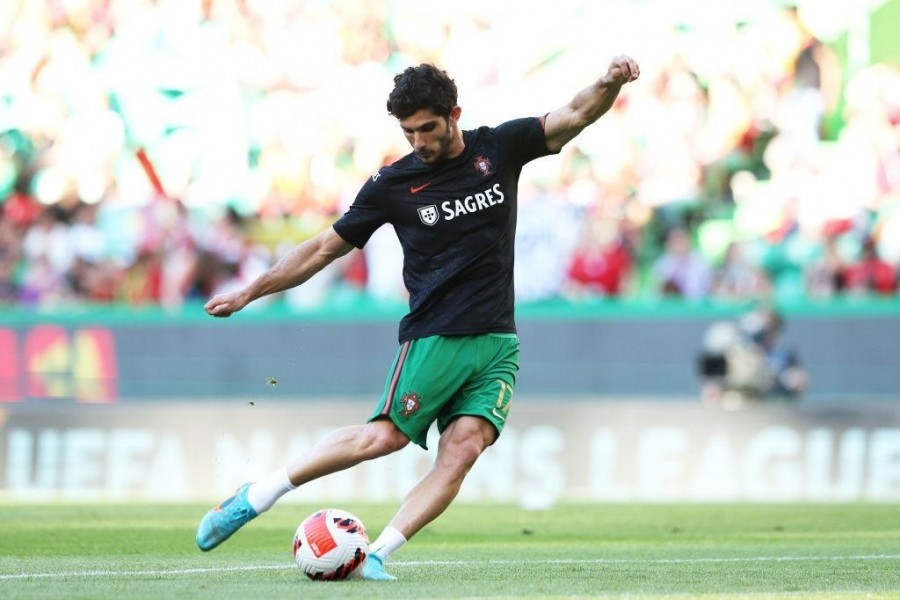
{"points": [[330, 544]]}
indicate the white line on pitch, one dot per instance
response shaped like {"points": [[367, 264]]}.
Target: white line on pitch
{"points": [[425, 563], [654, 561], [107, 573]]}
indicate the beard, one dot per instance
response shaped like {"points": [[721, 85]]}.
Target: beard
{"points": [[442, 152]]}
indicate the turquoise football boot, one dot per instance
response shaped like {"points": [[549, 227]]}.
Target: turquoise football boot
{"points": [[373, 569], [221, 522]]}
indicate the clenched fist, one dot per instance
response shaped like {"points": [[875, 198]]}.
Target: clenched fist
{"points": [[622, 69]]}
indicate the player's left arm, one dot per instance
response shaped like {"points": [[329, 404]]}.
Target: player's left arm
{"points": [[589, 104]]}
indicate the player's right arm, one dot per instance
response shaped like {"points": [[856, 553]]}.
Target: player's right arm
{"points": [[297, 266]]}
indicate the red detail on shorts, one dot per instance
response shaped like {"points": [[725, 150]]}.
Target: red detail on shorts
{"points": [[320, 539], [404, 350]]}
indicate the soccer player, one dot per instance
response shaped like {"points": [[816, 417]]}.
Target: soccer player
{"points": [[452, 202]]}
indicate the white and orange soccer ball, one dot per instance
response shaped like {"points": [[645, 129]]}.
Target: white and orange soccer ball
{"points": [[330, 544]]}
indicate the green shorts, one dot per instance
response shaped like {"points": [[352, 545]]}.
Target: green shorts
{"points": [[440, 378]]}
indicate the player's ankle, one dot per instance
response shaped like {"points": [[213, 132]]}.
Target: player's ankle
{"points": [[387, 543]]}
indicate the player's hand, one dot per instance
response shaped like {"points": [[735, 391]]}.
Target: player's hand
{"points": [[224, 305], [622, 70]]}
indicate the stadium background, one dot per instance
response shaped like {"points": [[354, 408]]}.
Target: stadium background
{"points": [[260, 121]]}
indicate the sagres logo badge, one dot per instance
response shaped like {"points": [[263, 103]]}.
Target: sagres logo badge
{"points": [[429, 214], [410, 402]]}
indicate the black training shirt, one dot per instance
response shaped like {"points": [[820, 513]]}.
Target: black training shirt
{"points": [[456, 222]]}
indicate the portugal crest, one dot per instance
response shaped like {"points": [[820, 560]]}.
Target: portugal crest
{"points": [[410, 402], [483, 165], [429, 214]]}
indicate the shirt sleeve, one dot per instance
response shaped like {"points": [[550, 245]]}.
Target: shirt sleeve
{"points": [[523, 139], [364, 216]]}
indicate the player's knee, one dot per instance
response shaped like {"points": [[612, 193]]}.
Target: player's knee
{"points": [[468, 452], [382, 437], [469, 436], [460, 454]]}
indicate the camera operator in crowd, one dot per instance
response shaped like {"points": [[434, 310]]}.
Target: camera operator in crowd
{"points": [[745, 362]]}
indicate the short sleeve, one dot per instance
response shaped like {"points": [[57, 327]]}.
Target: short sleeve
{"points": [[364, 216], [523, 139]]}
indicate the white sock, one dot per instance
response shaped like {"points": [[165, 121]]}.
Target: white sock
{"points": [[265, 492], [389, 541]]}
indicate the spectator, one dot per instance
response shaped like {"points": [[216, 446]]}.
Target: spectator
{"points": [[681, 271], [870, 274], [9, 290], [48, 242], [737, 278], [544, 242], [826, 276], [812, 86], [10, 242], [42, 285], [602, 263]]}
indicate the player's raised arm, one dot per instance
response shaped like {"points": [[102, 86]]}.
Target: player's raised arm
{"points": [[589, 104], [298, 265]]}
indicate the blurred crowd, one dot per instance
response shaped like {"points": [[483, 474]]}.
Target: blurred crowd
{"points": [[160, 151]]}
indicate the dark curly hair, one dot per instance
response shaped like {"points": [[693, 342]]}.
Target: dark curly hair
{"points": [[422, 87]]}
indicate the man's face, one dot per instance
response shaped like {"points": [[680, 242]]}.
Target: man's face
{"points": [[432, 137]]}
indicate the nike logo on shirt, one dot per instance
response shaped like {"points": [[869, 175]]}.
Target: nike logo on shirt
{"points": [[416, 190]]}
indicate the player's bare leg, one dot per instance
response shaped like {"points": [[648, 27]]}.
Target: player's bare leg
{"points": [[464, 440], [461, 444], [340, 450], [345, 448]]}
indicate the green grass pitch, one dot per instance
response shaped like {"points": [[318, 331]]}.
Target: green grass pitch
{"points": [[643, 551]]}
